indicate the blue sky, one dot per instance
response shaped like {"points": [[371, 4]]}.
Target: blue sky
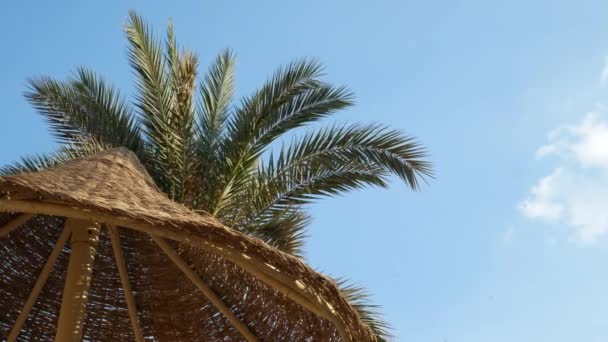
{"points": [[508, 243]]}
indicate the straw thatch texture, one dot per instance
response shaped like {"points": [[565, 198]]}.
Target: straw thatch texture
{"points": [[114, 186]]}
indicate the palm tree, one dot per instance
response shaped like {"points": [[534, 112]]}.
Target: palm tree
{"points": [[215, 155]]}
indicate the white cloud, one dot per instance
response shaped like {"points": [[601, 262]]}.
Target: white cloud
{"points": [[592, 149], [586, 142], [575, 194], [542, 202]]}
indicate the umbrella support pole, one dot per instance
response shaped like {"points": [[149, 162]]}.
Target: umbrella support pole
{"points": [[85, 236]]}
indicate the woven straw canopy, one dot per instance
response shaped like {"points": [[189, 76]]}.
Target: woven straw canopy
{"points": [[160, 271]]}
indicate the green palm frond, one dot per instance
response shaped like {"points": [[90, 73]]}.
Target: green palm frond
{"points": [[85, 106], [292, 97], [216, 92], [330, 162], [165, 89], [111, 119], [258, 111], [85, 146], [147, 60], [368, 145], [171, 51], [306, 107], [32, 163], [153, 97], [284, 230], [182, 70], [57, 102], [305, 184], [184, 124], [370, 314], [38, 162]]}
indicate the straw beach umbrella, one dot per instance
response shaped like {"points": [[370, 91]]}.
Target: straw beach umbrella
{"points": [[92, 250]]}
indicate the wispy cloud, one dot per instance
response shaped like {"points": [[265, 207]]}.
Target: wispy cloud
{"points": [[542, 203], [586, 142], [575, 193]]}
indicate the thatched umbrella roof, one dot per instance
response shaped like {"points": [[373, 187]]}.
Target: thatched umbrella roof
{"points": [[187, 277]]}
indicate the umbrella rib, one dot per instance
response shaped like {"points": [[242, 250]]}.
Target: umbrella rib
{"points": [[15, 223], [42, 278], [204, 288], [124, 279]]}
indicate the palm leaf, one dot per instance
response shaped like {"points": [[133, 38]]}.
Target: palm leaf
{"points": [[292, 97], [368, 145], [308, 106], [284, 230], [306, 185], [111, 119], [165, 88], [57, 102], [182, 70], [370, 313], [257, 112], [33, 163], [84, 106], [216, 91], [330, 162], [147, 60], [38, 162]]}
